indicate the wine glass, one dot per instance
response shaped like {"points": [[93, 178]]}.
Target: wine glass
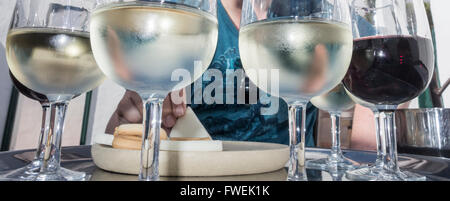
{"points": [[334, 102], [142, 45], [371, 172], [392, 63], [29, 171], [308, 43], [48, 51]]}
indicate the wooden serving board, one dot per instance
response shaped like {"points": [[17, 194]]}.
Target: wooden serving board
{"points": [[237, 158]]}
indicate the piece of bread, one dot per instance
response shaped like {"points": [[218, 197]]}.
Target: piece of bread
{"points": [[135, 130], [129, 129], [121, 142], [129, 136], [187, 128]]}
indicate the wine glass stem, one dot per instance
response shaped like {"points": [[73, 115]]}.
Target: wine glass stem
{"points": [[51, 152], [379, 139], [297, 115], [336, 136], [45, 127], [388, 123], [152, 118]]}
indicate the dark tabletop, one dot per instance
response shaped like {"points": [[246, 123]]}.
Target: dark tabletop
{"points": [[79, 159]]}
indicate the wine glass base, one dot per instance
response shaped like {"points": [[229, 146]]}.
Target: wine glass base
{"points": [[363, 174], [297, 178], [297, 175], [386, 175], [27, 173], [154, 178], [63, 174], [336, 174], [325, 164], [31, 173]]}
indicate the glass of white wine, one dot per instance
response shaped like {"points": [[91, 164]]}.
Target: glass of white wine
{"points": [[48, 51], [140, 44], [309, 43], [334, 102], [370, 173]]}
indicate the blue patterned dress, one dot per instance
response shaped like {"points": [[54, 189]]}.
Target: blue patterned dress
{"points": [[239, 121]]}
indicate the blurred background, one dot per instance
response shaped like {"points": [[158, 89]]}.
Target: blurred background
{"points": [[88, 114]]}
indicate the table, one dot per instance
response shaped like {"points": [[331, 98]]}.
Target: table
{"points": [[79, 158]]}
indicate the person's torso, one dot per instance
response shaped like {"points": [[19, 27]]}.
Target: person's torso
{"points": [[243, 122]]}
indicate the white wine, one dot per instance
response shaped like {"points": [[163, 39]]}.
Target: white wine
{"points": [[139, 45], [334, 101], [53, 62], [312, 56]]}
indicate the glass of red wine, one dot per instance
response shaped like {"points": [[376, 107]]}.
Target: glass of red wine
{"points": [[392, 64]]}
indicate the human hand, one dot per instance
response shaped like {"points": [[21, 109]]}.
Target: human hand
{"points": [[130, 110]]}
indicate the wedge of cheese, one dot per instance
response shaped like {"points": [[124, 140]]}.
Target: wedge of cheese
{"points": [[105, 139], [189, 127]]}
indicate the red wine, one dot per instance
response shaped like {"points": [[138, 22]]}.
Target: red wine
{"points": [[28, 92], [390, 70]]}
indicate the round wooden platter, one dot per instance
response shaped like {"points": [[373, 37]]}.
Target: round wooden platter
{"points": [[237, 158]]}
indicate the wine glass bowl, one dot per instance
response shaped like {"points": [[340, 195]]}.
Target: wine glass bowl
{"points": [[52, 61], [129, 51], [41, 98], [334, 101], [309, 63]]}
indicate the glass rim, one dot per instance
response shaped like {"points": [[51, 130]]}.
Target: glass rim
{"points": [[339, 14], [62, 29], [297, 18], [163, 4]]}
